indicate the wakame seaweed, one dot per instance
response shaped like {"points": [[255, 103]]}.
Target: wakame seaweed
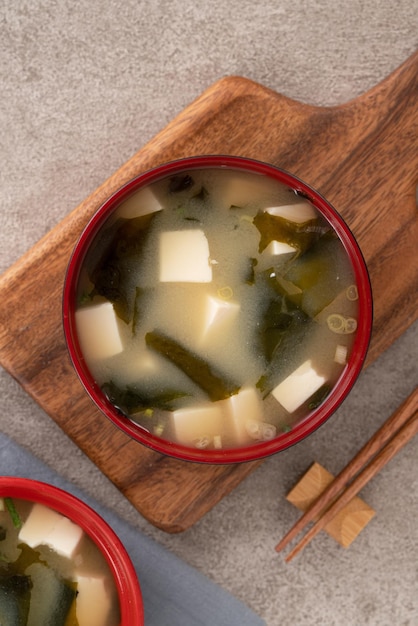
{"points": [[281, 318], [318, 397], [130, 400], [319, 273], [214, 384], [19, 583], [283, 342], [108, 273], [250, 271], [275, 228], [15, 594], [180, 183]]}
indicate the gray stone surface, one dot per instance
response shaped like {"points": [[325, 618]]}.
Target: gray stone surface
{"points": [[86, 84]]}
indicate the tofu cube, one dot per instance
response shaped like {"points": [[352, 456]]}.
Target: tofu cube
{"points": [[184, 257], [240, 190], [276, 248], [218, 313], [192, 426], [274, 254], [294, 390], [98, 331], [141, 203], [47, 527], [299, 213], [244, 408], [93, 601]]}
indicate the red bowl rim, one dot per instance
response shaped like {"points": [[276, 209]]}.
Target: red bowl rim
{"points": [[118, 560], [348, 376]]}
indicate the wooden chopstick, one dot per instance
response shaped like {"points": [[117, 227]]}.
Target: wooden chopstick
{"points": [[402, 437], [363, 459]]}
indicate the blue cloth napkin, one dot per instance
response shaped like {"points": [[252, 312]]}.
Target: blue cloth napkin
{"points": [[174, 593]]}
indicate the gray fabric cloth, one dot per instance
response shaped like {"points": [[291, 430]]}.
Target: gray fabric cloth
{"points": [[174, 593]]}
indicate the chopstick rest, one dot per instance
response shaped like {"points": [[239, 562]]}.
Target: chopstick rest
{"points": [[348, 523], [388, 440]]}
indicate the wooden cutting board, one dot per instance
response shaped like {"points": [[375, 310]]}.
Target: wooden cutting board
{"points": [[362, 156]]}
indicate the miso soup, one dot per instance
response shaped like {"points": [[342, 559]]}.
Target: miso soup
{"points": [[216, 308], [51, 572]]}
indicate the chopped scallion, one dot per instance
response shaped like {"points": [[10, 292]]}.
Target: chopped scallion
{"points": [[10, 506], [225, 293]]}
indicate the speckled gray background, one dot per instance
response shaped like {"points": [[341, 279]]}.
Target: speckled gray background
{"points": [[83, 86]]}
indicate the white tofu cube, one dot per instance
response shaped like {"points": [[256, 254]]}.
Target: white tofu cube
{"points": [[243, 408], [274, 254], [298, 387], [240, 190], [93, 601], [299, 213], [276, 248], [184, 257], [98, 331], [47, 527], [192, 425], [141, 203], [217, 314]]}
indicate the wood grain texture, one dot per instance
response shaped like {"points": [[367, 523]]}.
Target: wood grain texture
{"points": [[362, 156], [348, 523]]}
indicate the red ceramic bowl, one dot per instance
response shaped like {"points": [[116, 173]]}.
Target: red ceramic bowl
{"points": [[317, 416], [129, 593]]}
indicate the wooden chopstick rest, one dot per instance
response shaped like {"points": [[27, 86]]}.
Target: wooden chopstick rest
{"points": [[348, 523], [391, 437]]}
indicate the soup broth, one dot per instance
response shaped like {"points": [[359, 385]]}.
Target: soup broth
{"points": [[51, 572], [216, 308]]}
